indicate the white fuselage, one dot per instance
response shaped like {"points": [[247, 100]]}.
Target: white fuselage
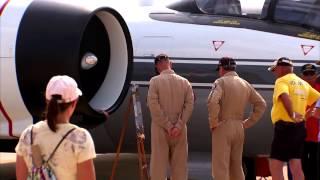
{"points": [[188, 44]]}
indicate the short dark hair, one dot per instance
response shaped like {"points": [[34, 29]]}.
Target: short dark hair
{"points": [[227, 63]]}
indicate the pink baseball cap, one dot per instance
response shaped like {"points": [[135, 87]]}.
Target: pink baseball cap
{"points": [[65, 86]]}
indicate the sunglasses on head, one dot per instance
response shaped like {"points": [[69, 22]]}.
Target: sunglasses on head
{"points": [[162, 57], [284, 59], [309, 73]]}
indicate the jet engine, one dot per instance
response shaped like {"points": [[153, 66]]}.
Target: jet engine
{"points": [[90, 43]]}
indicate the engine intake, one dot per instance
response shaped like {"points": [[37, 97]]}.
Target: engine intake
{"points": [[54, 37]]}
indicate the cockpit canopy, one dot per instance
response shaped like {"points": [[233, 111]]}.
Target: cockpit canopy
{"points": [[228, 7], [295, 12]]}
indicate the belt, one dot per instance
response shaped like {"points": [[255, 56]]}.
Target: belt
{"points": [[282, 122]]}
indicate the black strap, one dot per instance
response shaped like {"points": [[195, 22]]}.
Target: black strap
{"points": [[31, 139], [55, 149], [31, 136]]}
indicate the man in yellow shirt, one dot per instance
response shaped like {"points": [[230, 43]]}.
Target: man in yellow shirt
{"points": [[290, 98]]}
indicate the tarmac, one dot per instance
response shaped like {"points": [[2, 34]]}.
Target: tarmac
{"points": [[128, 167]]}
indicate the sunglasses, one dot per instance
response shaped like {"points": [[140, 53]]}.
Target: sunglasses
{"points": [[309, 73], [161, 57], [284, 61]]}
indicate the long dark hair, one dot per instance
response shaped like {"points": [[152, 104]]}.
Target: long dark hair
{"points": [[54, 108]]}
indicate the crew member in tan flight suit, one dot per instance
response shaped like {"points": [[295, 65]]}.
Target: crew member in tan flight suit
{"points": [[227, 101], [170, 100]]}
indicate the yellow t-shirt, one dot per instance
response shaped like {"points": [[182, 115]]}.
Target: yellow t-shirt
{"points": [[301, 95]]}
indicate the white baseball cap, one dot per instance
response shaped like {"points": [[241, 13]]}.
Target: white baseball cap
{"points": [[65, 86]]}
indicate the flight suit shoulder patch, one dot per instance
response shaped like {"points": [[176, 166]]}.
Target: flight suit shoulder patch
{"points": [[215, 85]]}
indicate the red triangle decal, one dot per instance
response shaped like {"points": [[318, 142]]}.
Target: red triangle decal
{"points": [[306, 49], [217, 44]]}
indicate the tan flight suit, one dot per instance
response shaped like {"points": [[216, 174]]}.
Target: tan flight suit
{"points": [[226, 105], [170, 100]]}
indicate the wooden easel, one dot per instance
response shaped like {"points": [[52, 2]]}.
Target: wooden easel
{"points": [[143, 165]]}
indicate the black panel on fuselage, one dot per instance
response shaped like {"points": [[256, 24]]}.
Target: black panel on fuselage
{"points": [[205, 73]]}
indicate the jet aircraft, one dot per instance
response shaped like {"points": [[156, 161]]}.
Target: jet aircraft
{"points": [[106, 47]]}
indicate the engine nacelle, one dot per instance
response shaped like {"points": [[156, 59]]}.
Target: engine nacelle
{"points": [[91, 44]]}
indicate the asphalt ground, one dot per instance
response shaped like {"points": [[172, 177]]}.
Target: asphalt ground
{"points": [[127, 169]]}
